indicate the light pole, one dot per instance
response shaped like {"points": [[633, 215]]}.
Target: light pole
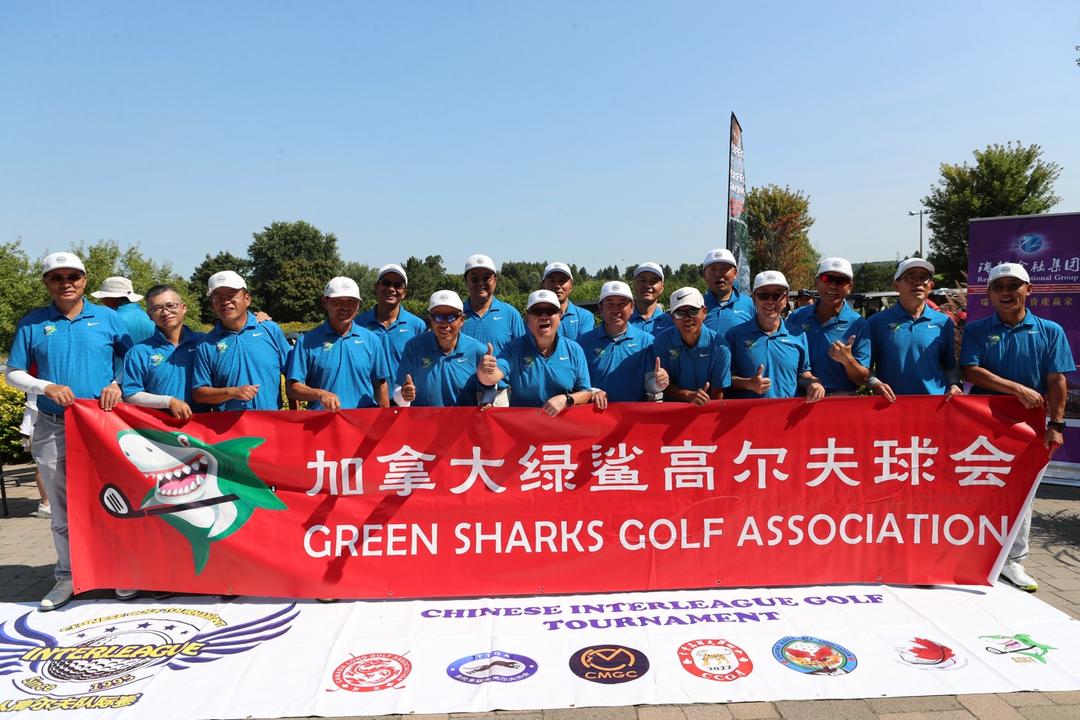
{"points": [[920, 214]]}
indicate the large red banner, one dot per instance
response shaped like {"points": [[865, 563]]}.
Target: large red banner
{"points": [[457, 502]]}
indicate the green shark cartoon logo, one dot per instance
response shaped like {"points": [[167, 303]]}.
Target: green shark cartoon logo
{"points": [[206, 491], [1020, 644]]}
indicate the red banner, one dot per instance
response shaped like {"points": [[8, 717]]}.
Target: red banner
{"points": [[457, 502]]}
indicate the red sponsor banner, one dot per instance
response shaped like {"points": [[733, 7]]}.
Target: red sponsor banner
{"points": [[455, 502]]}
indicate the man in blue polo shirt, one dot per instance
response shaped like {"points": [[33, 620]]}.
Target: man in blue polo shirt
{"points": [[72, 346], [619, 355], [119, 294], [438, 368], [575, 321], [542, 368], [238, 365], [338, 364], [389, 319], [696, 359], [648, 315], [767, 361], [912, 344], [1014, 352], [487, 318], [838, 337], [157, 371], [725, 305]]}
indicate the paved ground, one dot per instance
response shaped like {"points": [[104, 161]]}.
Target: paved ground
{"points": [[26, 558]]}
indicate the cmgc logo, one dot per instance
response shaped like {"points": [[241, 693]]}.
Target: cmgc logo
{"points": [[609, 664]]}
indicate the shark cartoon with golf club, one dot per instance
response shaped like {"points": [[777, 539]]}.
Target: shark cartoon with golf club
{"points": [[206, 491]]}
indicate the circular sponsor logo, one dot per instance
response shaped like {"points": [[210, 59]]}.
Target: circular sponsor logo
{"points": [[609, 664], [814, 656], [371, 672], [1030, 243], [494, 666], [715, 660], [929, 655]]}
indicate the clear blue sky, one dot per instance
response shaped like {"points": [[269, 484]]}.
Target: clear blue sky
{"points": [[589, 132]]}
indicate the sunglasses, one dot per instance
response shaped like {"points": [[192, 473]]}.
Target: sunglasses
{"points": [[1005, 287], [834, 279], [444, 318], [916, 279], [543, 312], [73, 278], [770, 297], [686, 313], [170, 306], [392, 284]]}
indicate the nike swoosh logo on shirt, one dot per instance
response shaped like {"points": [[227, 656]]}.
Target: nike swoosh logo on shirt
{"points": [[191, 349], [255, 334], [563, 358], [89, 324]]}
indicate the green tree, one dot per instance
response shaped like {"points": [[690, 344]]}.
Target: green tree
{"points": [[1005, 180], [778, 224], [364, 275], [427, 276], [519, 276], [210, 265], [874, 276], [290, 264], [21, 290], [105, 258]]}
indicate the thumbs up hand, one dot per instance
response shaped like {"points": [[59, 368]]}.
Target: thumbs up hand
{"points": [[701, 397], [661, 377], [408, 390], [841, 352], [487, 370], [759, 383]]}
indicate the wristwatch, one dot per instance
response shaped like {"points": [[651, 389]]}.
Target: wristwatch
{"points": [[1055, 425], [569, 399]]}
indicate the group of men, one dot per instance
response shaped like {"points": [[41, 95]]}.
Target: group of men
{"points": [[481, 351]]}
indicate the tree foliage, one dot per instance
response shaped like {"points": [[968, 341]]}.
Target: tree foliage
{"points": [[1010, 179], [105, 258], [290, 264], [874, 276], [20, 290], [778, 223], [199, 278]]}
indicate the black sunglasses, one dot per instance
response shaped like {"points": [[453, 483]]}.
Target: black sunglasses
{"points": [[774, 296], [543, 312], [444, 318], [73, 278], [392, 284]]}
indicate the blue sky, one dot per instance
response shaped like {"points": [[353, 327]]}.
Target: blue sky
{"points": [[588, 132]]}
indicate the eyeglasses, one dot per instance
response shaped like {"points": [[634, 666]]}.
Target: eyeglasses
{"points": [[1005, 287], [916, 279], [480, 279], [770, 297], [834, 279], [220, 297], [544, 311], [444, 318], [397, 285], [73, 278], [170, 306], [685, 313]]}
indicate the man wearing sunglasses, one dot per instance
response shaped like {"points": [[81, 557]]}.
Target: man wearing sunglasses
{"points": [[389, 319], [438, 368], [838, 337], [725, 305], [72, 345], [767, 360], [648, 315], [1014, 352], [619, 355], [575, 321], [913, 346], [338, 365], [157, 371], [697, 360]]}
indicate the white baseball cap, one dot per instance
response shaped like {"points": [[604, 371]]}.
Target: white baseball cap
{"points": [[1013, 270], [913, 262], [836, 265], [558, 267], [479, 261], [542, 297], [393, 268], [117, 287], [770, 277], [615, 288], [719, 255], [445, 298], [342, 286], [225, 279], [686, 297], [58, 260], [649, 267]]}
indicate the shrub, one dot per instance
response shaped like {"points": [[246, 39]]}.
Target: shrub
{"points": [[12, 403]]}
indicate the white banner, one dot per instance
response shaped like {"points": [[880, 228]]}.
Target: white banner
{"points": [[200, 658]]}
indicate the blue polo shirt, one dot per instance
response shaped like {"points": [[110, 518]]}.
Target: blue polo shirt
{"points": [[820, 336], [253, 355], [784, 355], [691, 367], [405, 328], [912, 354], [618, 365], [348, 365], [722, 316], [1025, 353], [157, 366], [139, 325], [442, 379], [79, 353], [575, 322], [499, 325], [658, 323], [534, 378]]}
